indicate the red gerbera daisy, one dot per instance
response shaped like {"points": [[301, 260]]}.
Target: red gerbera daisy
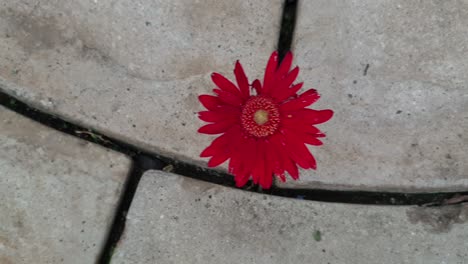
{"points": [[263, 134]]}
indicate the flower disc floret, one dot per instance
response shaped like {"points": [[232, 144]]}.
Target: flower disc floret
{"points": [[260, 117]]}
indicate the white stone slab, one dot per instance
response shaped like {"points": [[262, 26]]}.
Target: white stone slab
{"points": [[133, 69], [175, 219], [401, 122], [58, 194]]}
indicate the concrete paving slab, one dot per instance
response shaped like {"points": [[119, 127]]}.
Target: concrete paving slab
{"points": [[58, 194], [132, 69], [396, 75], [174, 219]]}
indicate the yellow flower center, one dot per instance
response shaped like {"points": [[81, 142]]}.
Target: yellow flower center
{"points": [[261, 117]]}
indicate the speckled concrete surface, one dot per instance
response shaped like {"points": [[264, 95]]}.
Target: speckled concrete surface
{"points": [[175, 219], [396, 75], [132, 69], [58, 194], [394, 72]]}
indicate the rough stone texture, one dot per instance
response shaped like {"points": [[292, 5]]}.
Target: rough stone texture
{"points": [[132, 69], [396, 74], [58, 194], [175, 219]]}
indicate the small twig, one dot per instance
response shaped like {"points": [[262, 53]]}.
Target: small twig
{"points": [[92, 135], [457, 199]]}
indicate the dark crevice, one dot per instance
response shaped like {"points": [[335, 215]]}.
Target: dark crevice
{"points": [[367, 197], [144, 160], [141, 163], [288, 22], [66, 127]]}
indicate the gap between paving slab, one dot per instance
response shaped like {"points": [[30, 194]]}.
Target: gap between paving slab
{"points": [[88, 63], [175, 219], [395, 74], [288, 23], [132, 69], [198, 172], [213, 176], [58, 193], [143, 161], [324, 194]]}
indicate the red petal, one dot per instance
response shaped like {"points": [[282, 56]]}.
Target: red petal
{"points": [[277, 158], [218, 159], [220, 144], [258, 86], [300, 126], [249, 156], [210, 102], [259, 167], [298, 151], [291, 168], [216, 128], [284, 94], [284, 83], [290, 78], [307, 98], [241, 180], [242, 80], [311, 116], [236, 164], [267, 178], [228, 98], [285, 65], [295, 121], [222, 147], [287, 163], [273, 163], [281, 176], [224, 84], [212, 116], [270, 70], [247, 152], [312, 140]]}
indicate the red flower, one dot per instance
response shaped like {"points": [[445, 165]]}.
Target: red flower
{"points": [[265, 133]]}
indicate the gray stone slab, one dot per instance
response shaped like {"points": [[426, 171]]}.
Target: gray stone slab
{"points": [[132, 69], [58, 194], [396, 75], [175, 219]]}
